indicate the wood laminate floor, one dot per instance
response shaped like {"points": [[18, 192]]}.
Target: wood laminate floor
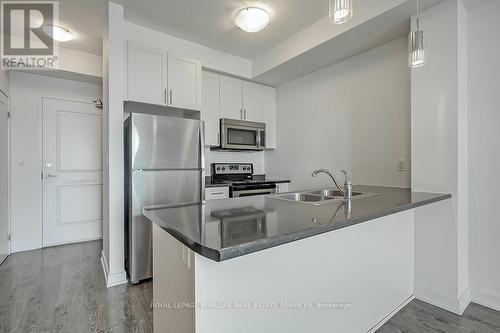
{"points": [[61, 289], [421, 317]]}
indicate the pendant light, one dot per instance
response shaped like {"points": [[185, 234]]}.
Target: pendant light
{"points": [[340, 11], [417, 56]]}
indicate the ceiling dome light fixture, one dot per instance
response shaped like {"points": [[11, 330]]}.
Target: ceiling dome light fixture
{"points": [[417, 56], [340, 11], [61, 34], [252, 19]]}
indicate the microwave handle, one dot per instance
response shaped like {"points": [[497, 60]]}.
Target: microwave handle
{"points": [[260, 135]]}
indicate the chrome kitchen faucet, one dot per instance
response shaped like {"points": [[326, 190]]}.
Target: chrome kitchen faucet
{"points": [[346, 189]]}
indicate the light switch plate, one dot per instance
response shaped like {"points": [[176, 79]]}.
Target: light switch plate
{"points": [[401, 165]]}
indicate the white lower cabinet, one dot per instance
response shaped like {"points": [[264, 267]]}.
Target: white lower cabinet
{"points": [[213, 193]]}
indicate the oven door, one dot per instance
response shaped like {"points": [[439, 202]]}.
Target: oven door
{"points": [[242, 135], [239, 191]]}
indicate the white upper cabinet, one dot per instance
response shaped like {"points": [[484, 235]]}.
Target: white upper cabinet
{"points": [[156, 77], [146, 74], [252, 101], [184, 83], [231, 97], [210, 107], [269, 115]]}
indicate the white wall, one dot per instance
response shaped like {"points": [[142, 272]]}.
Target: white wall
{"points": [[439, 159], [353, 115], [4, 82], [484, 160], [26, 92], [113, 255]]}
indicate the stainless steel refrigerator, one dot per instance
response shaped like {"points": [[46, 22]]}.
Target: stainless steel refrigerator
{"points": [[164, 165]]}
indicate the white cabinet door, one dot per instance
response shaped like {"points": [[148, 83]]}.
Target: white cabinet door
{"points": [[231, 90], [252, 101], [210, 107], [146, 74], [72, 172], [184, 83], [269, 115], [214, 193]]}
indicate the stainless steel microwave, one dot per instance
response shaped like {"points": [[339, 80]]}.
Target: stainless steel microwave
{"points": [[242, 135]]}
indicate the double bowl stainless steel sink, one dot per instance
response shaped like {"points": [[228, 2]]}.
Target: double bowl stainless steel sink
{"points": [[319, 197]]}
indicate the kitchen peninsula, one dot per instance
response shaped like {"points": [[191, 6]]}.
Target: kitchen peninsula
{"points": [[267, 264]]}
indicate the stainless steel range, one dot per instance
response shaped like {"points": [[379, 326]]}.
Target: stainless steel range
{"points": [[241, 180]]}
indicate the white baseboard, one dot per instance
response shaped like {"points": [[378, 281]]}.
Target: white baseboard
{"points": [[453, 304], [390, 315], [114, 279], [73, 242], [16, 247], [487, 298]]}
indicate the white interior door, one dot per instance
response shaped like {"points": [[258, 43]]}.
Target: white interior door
{"points": [[72, 172], [4, 180]]}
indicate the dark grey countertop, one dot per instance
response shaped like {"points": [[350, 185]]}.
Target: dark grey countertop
{"points": [[208, 181], [229, 228]]}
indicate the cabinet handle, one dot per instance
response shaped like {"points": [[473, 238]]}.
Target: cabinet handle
{"points": [[245, 113], [217, 193], [165, 96], [241, 114], [171, 97]]}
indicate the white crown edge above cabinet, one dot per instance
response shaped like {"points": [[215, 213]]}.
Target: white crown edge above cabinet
{"points": [[155, 76], [237, 99]]}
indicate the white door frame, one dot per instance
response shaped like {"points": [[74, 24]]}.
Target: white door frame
{"points": [[9, 199], [40, 157]]}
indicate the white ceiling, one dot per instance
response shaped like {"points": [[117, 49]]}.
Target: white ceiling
{"points": [[210, 22], [207, 22], [86, 19]]}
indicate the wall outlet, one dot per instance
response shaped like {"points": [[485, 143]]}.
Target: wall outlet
{"points": [[401, 165]]}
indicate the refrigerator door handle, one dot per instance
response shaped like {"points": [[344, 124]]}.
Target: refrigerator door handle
{"points": [[202, 161]]}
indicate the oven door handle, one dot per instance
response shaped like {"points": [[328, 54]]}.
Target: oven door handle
{"points": [[237, 193]]}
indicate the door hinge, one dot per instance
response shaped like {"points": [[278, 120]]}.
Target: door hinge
{"points": [[8, 114], [9, 237], [41, 175]]}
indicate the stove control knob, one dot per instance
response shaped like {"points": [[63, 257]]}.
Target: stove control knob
{"points": [[218, 168], [223, 168], [244, 168]]}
